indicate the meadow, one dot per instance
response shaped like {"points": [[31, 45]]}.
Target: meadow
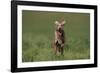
{"points": [[38, 35]]}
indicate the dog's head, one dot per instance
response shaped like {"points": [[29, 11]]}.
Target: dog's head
{"points": [[60, 24]]}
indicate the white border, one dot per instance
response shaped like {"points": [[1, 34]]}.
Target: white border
{"points": [[53, 63]]}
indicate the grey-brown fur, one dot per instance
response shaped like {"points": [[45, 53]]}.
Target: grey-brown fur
{"points": [[59, 37]]}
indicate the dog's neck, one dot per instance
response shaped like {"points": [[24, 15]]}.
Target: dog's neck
{"points": [[60, 33]]}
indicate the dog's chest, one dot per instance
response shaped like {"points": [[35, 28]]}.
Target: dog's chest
{"points": [[60, 36]]}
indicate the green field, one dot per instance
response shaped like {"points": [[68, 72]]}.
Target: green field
{"points": [[38, 34]]}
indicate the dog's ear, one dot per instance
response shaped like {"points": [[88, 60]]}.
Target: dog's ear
{"points": [[63, 22], [56, 22]]}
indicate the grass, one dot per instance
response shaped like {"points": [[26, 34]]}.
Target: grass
{"points": [[38, 34]]}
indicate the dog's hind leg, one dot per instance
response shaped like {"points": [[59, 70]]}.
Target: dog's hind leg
{"points": [[62, 51], [55, 50]]}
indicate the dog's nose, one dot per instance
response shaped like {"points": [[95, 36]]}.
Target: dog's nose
{"points": [[59, 29]]}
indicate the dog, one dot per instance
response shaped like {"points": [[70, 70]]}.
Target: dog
{"points": [[59, 40]]}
